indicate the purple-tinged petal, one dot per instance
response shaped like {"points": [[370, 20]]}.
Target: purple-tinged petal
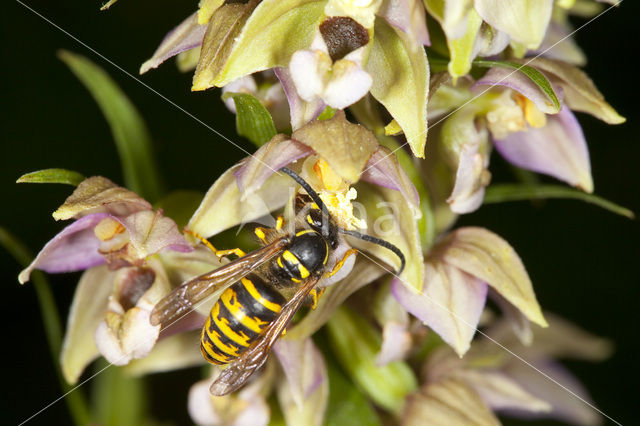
{"points": [[520, 325], [472, 177], [507, 77], [501, 392], [86, 312], [99, 195], [558, 44], [309, 70], [73, 249], [347, 85], [450, 303], [565, 406], [303, 365], [557, 149], [150, 232], [408, 16], [301, 111], [267, 160], [396, 343], [384, 170], [185, 36]]}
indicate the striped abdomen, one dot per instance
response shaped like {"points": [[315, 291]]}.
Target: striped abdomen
{"points": [[238, 318]]}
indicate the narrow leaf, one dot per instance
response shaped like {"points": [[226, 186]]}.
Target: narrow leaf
{"points": [[68, 177], [127, 126], [501, 193], [253, 121], [536, 76]]}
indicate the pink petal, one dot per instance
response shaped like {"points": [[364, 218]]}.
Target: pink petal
{"points": [[408, 16], [301, 111], [303, 365], [73, 249], [396, 343], [150, 232], [450, 303], [557, 149], [185, 36], [507, 77], [384, 170]]}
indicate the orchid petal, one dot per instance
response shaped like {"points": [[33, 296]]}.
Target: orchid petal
{"points": [[557, 149], [450, 303], [390, 217], [271, 157], [301, 111], [396, 343], [558, 44], [73, 249], [206, 9], [384, 170], [87, 309], [263, 36], [520, 325], [150, 232], [448, 402], [99, 195], [491, 259], [246, 84], [175, 352], [345, 146], [401, 81], [305, 393], [409, 16], [580, 94], [225, 205], [525, 21], [348, 84], [500, 392], [308, 69], [564, 405], [185, 36], [518, 81]]}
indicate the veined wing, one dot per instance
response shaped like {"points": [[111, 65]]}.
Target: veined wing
{"points": [[239, 371], [182, 299]]}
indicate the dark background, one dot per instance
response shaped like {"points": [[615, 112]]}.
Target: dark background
{"points": [[583, 260]]}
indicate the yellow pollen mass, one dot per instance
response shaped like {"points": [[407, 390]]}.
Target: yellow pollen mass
{"points": [[108, 228], [535, 118]]}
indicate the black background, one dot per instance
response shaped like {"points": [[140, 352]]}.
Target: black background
{"points": [[583, 260]]}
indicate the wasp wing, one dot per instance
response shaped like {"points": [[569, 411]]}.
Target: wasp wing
{"points": [[183, 299], [239, 371]]}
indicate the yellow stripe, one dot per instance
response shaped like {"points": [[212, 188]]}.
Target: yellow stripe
{"points": [[309, 219], [290, 257], [279, 262], [231, 303], [279, 222], [227, 349], [208, 349], [251, 288], [304, 273], [306, 231], [223, 324], [326, 253]]}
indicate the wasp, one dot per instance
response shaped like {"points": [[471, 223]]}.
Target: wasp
{"points": [[251, 312]]}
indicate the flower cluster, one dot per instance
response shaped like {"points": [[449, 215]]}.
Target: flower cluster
{"points": [[484, 75]]}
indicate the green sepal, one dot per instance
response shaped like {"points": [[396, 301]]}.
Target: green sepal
{"points": [[356, 343], [68, 177], [117, 400], [253, 121], [533, 74], [501, 193], [129, 131]]}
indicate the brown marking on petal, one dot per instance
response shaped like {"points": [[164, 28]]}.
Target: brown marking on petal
{"points": [[134, 284], [343, 35]]}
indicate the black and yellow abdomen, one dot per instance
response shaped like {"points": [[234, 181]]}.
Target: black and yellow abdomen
{"points": [[238, 318]]}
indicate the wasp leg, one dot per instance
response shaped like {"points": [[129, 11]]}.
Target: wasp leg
{"points": [[315, 295], [279, 222], [338, 265], [260, 233], [220, 253]]}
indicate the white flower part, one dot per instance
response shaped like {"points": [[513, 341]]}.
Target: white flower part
{"points": [[362, 11], [472, 177], [505, 117], [124, 336], [338, 84], [246, 84], [396, 343]]}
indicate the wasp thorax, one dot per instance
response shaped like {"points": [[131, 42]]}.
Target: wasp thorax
{"points": [[342, 36]]}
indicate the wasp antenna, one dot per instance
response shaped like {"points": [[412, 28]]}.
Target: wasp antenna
{"points": [[379, 242], [312, 193]]}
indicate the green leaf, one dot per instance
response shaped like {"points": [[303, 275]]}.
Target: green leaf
{"points": [[356, 342], [401, 81], [117, 400], [52, 325], [534, 75], [68, 177], [127, 126], [500, 193], [253, 121]]}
